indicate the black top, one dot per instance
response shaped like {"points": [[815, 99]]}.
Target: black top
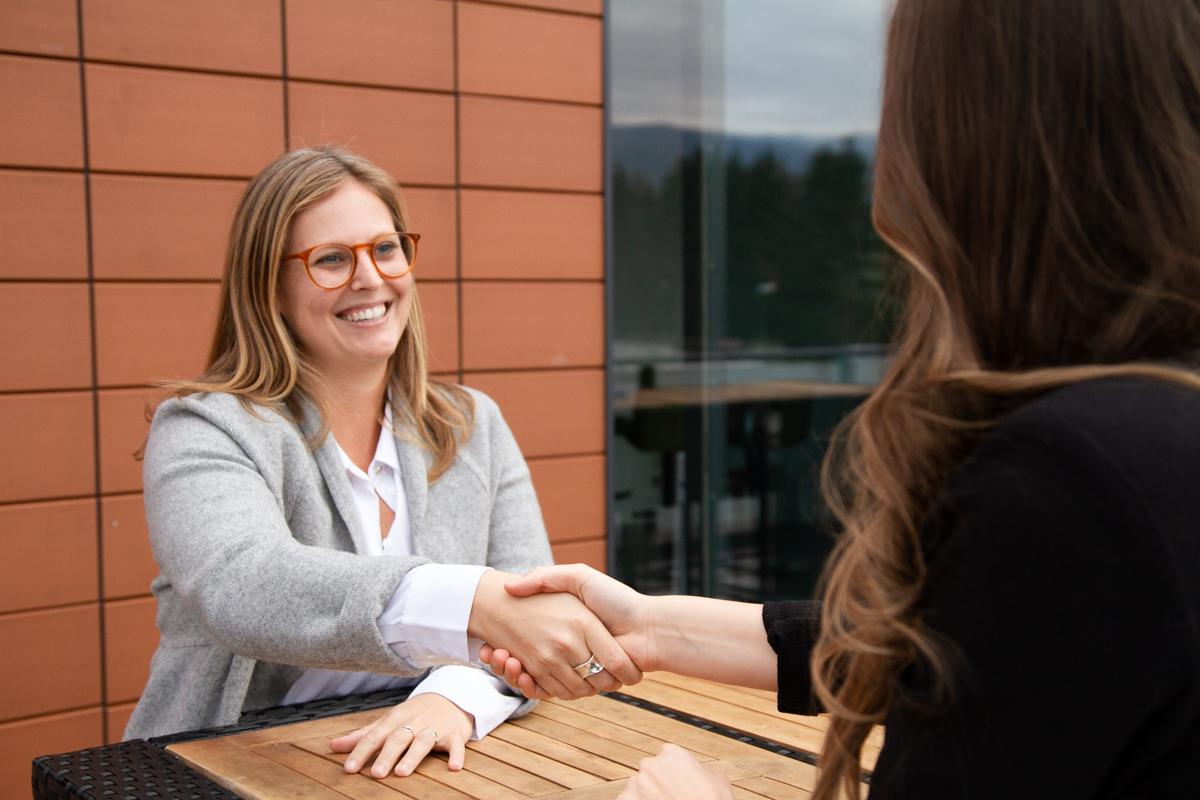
{"points": [[1068, 577]]}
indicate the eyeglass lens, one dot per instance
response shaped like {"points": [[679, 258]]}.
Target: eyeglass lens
{"points": [[331, 265]]}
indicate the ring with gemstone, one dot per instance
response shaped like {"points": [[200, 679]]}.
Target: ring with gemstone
{"points": [[589, 668]]}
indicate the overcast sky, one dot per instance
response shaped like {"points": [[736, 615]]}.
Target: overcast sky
{"points": [[792, 67]]}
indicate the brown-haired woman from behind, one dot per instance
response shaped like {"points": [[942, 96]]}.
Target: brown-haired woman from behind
{"points": [[1016, 590], [323, 512]]}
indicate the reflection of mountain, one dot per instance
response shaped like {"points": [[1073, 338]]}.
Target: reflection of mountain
{"points": [[804, 266], [653, 150]]}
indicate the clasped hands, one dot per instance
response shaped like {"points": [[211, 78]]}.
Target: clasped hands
{"points": [[628, 643], [539, 660], [544, 623]]}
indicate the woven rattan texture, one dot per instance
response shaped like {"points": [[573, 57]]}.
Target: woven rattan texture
{"points": [[141, 770], [135, 770]]}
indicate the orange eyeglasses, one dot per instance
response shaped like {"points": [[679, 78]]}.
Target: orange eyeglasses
{"points": [[331, 266]]}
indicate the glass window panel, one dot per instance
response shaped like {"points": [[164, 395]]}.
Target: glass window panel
{"points": [[747, 282]]}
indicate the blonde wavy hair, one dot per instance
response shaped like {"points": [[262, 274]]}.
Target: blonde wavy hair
{"points": [[1038, 172], [254, 355]]}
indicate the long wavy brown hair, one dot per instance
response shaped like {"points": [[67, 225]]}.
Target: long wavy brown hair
{"points": [[254, 355], [1038, 172]]}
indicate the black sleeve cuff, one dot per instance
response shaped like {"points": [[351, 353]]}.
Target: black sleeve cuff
{"points": [[792, 630]]}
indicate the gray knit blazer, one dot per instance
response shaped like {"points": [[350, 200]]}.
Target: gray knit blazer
{"points": [[259, 579]]}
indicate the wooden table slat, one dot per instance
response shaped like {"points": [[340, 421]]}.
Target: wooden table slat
{"points": [[563, 713], [358, 787], [507, 775], [418, 785], [731, 771], [590, 742], [247, 774], [755, 723], [713, 745], [773, 789], [564, 775], [332, 727], [739, 696], [561, 752], [669, 730], [750, 699], [469, 782], [600, 791]]}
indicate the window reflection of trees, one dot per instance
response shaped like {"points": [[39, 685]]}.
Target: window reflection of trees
{"points": [[648, 256], [805, 267], [806, 275]]}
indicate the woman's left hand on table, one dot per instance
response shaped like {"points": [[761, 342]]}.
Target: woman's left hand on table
{"points": [[405, 731], [675, 774]]}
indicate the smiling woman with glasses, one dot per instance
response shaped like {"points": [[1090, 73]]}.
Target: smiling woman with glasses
{"points": [[324, 512]]}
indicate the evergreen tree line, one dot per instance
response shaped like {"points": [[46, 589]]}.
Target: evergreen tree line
{"points": [[804, 266]]}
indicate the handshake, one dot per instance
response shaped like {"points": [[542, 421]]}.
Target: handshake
{"points": [[547, 630], [570, 631]]}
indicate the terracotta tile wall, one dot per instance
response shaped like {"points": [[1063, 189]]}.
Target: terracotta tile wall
{"points": [[124, 146]]}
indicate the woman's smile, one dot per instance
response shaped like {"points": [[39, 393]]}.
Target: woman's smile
{"points": [[361, 315]]}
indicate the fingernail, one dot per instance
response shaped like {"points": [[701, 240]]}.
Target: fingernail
{"points": [[351, 765]]}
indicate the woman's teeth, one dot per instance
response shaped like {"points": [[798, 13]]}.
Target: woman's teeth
{"points": [[364, 314]]}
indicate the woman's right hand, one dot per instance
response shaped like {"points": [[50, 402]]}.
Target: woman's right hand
{"points": [[550, 633], [624, 612]]}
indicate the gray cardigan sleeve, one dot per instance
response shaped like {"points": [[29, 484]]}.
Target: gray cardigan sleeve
{"points": [[517, 539], [221, 488]]}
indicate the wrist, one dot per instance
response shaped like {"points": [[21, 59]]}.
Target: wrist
{"points": [[655, 609], [489, 600]]}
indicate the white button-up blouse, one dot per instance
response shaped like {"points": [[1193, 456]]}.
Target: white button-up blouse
{"points": [[425, 622]]}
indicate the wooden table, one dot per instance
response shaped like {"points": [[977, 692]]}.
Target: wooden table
{"points": [[752, 711], [582, 750]]}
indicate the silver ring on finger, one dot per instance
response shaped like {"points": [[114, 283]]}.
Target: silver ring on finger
{"points": [[589, 667], [410, 731], [432, 733]]}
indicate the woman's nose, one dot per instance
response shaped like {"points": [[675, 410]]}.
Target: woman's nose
{"points": [[365, 274]]}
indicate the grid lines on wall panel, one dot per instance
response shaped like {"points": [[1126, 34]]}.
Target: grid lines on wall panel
{"points": [[128, 129]]}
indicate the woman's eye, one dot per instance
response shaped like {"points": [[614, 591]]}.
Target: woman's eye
{"points": [[331, 261], [385, 249]]}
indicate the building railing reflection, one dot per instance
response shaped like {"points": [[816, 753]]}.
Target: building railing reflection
{"points": [[759, 424], [738, 374]]}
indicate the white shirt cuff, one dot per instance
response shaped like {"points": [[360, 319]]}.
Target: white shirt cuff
{"points": [[476, 692], [425, 621]]}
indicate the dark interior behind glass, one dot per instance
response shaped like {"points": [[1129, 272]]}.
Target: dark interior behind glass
{"points": [[750, 311]]}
